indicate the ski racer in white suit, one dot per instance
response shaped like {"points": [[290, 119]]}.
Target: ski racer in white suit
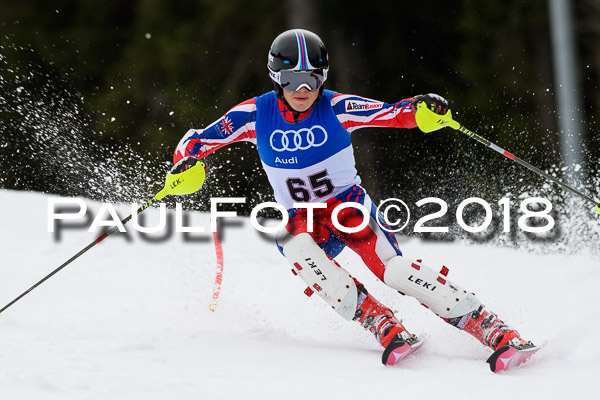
{"points": [[302, 134]]}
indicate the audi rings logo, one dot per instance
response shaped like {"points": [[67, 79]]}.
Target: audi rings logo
{"points": [[302, 139]]}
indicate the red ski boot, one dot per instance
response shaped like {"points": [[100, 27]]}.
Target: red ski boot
{"points": [[509, 349], [393, 336], [486, 327]]}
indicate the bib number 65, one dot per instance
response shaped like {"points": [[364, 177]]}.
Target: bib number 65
{"points": [[319, 184]]}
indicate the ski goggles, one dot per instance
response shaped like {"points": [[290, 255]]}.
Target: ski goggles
{"points": [[295, 80]]}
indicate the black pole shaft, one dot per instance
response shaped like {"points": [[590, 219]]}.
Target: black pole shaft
{"points": [[70, 260], [512, 157]]}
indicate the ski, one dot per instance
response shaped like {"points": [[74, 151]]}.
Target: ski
{"points": [[511, 355], [399, 349]]}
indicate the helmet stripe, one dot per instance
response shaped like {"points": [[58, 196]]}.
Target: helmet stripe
{"points": [[302, 47]]}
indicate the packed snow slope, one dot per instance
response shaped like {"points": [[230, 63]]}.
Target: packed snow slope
{"points": [[130, 320]]}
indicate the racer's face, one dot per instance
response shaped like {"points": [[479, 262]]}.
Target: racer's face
{"points": [[302, 99]]}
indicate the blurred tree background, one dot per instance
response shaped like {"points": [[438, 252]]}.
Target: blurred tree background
{"points": [[95, 95]]}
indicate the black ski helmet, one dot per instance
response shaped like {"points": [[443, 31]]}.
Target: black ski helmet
{"points": [[298, 50]]}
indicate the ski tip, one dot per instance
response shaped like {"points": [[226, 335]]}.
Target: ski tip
{"points": [[499, 360], [508, 357], [398, 349]]}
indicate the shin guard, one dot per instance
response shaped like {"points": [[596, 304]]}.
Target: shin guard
{"points": [[323, 276], [432, 289]]}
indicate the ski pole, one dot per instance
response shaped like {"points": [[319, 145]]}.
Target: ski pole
{"points": [[219, 275], [186, 182], [428, 121]]}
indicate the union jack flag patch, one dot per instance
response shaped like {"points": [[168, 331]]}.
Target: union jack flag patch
{"points": [[226, 126]]}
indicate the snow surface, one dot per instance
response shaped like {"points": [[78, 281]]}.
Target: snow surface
{"points": [[130, 320]]}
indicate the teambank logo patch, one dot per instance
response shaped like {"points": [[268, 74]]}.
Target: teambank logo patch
{"points": [[355, 105]]}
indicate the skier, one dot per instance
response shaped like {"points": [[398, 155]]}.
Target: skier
{"points": [[302, 134]]}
